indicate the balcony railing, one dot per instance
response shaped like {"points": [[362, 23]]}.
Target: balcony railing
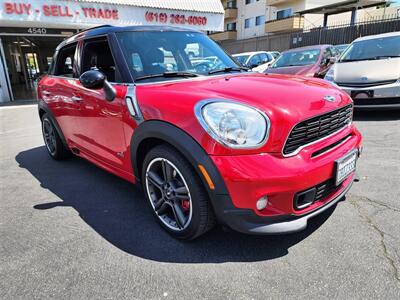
{"points": [[223, 36], [293, 23]]}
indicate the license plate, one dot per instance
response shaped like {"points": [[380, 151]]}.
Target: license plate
{"points": [[345, 166]]}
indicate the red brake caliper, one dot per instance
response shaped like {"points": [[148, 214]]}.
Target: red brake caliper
{"points": [[186, 204]]}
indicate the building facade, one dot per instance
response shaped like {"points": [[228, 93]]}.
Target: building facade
{"points": [[31, 30], [246, 19]]}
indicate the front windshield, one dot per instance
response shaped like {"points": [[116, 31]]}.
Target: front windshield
{"points": [[373, 49], [242, 59], [297, 58], [172, 53]]}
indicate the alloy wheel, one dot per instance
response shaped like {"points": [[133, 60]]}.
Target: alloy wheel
{"points": [[49, 136], [169, 194]]}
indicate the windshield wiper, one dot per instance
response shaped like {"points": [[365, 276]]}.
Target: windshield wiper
{"points": [[227, 70], [167, 75]]}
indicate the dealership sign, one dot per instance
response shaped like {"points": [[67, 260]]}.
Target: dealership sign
{"points": [[64, 13]]}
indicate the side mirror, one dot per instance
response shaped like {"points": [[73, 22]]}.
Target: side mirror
{"points": [[95, 80], [332, 60]]}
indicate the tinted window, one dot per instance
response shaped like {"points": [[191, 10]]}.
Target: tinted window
{"points": [[242, 59], [264, 57], [97, 56], [65, 62], [255, 60], [297, 58]]}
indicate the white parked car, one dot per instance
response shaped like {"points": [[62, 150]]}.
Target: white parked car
{"points": [[369, 71], [258, 61]]}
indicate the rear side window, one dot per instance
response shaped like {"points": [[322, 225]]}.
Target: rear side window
{"points": [[65, 62]]}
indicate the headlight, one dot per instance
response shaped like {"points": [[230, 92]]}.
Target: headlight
{"points": [[330, 75], [232, 124]]}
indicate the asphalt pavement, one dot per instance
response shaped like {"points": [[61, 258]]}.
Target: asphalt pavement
{"points": [[69, 230]]}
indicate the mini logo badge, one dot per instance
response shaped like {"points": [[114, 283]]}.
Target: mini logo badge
{"points": [[364, 78], [330, 98]]}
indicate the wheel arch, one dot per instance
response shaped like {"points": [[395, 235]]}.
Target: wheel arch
{"points": [[152, 133], [44, 109]]}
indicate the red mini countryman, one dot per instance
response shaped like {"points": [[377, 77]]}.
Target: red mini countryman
{"points": [[208, 141]]}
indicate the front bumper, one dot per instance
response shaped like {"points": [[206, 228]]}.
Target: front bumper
{"points": [[380, 96], [250, 177]]}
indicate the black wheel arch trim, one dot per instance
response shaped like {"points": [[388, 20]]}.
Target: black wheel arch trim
{"points": [[43, 106], [185, 144]]}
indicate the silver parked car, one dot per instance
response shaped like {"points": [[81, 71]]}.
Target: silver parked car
{"points": [[369, 71]]}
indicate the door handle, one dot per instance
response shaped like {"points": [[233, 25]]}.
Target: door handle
{"points": [[76, 98], [46, 93]]}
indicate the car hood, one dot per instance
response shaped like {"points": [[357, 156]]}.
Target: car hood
{"points": [[286, 100], [367, 71], [298, 70]]}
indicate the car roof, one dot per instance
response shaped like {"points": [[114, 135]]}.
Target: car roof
{"points": [[377, 36], [249, 53], [308, 47], [106, 29]]}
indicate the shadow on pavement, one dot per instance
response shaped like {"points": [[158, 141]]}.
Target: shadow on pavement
{"points": [[376, 115], [117, 211]]}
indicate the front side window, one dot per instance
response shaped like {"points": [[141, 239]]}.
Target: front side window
{"points": [[297, 58], [97, 56], [373, 49], [65, 62], [284, 13], [167, 53]]}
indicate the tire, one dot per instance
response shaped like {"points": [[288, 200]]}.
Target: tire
{"points": [[54, 145], [187, 194]]}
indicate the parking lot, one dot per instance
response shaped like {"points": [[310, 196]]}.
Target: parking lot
{"points": [[71, 230]]}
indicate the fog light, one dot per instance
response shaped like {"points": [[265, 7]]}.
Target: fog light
{"points": [[262, 203]]}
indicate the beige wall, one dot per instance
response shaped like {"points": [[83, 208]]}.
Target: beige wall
{"points": [[250, 11]]}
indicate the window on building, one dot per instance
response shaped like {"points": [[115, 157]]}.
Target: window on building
{"points": [[260, 20], [249, 22], [231, 4], [284, 13], [65, 62], [231, 27], [251, 1]]}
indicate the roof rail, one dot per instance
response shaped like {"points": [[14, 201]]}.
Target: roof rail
{"points": [[91, 28]]}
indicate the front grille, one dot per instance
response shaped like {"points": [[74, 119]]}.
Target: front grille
{"points": [[365, 84], [319, 192], [317, 128]]}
